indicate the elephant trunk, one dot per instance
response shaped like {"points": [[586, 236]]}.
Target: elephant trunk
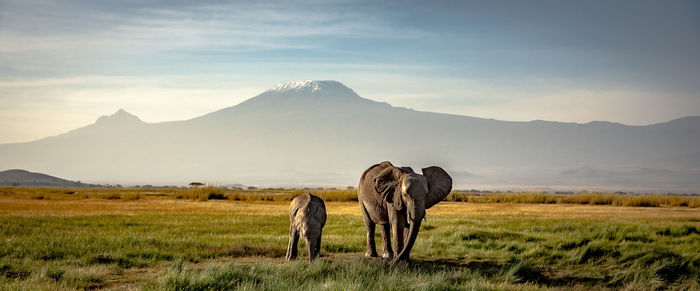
{"points": [[414, 213], [410, 240]]}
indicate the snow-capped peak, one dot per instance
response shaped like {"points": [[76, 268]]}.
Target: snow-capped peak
{"points": [[307, 86], [303, 95]]}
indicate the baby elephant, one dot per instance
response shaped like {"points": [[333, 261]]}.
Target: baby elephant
{"points": [[307, 216]]}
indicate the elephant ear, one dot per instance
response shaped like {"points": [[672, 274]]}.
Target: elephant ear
{"points": [[439, 185], [387, 185]]}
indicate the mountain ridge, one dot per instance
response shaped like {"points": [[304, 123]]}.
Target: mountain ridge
{"points": [[315, 86], [311, 132], [19, 177], [695, 118], [120, 116]]}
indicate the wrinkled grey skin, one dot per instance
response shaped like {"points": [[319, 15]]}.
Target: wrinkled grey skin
{"points": [[396, 199], [307, 217]]}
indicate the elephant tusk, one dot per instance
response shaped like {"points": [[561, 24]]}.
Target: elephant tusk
{"points": [[425, 218]]}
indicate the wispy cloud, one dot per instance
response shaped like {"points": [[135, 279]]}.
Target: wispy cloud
{"points": [[152, 34]]}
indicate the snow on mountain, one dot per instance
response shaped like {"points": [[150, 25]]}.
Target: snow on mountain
{"points": [[310, 86], [306, 85], [310, 89]]}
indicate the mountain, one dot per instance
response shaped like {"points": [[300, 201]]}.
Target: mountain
{"points": [[322, 132], [24, 178]]}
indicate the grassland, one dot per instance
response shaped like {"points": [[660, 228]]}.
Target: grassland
{"points": [[214, 193], [150, 239]]}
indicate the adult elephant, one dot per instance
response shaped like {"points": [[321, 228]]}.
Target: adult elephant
{"points": [[395, 198]]}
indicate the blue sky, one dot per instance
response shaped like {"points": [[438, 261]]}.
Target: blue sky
{"points": [[65, 63]]}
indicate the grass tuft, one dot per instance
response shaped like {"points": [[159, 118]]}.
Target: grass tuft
{"points": [[675, 231], [597, 251]]}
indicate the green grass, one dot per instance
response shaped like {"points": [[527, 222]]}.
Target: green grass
{"points": [[200, 251], [341, 275]]}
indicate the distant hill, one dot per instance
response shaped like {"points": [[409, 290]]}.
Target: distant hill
{"points": [[322, 132], [29, 179]]}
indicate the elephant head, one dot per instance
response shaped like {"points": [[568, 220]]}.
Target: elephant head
{"points": [[401, 188]]}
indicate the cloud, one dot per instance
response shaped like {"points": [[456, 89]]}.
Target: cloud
{"points": [[96, 40]]}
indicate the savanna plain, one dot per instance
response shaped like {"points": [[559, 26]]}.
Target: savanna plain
{"points": [[212, 239]]}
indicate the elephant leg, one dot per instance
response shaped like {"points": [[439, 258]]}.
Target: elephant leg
{"points": [[312, 247], [369, 227], [388, 252], [406, 232], [318, 244], [397, 220], [293, 241]]}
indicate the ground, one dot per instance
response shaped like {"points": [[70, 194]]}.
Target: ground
{"points": [[163, 243]]}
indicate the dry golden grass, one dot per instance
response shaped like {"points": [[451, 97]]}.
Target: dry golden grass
{"points": [[14, 206], [558, 210], [93, 201], [31, 207], [196, 194], [615, 199]]}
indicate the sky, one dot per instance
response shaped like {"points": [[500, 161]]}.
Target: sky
{"points": [[65, 63]]}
